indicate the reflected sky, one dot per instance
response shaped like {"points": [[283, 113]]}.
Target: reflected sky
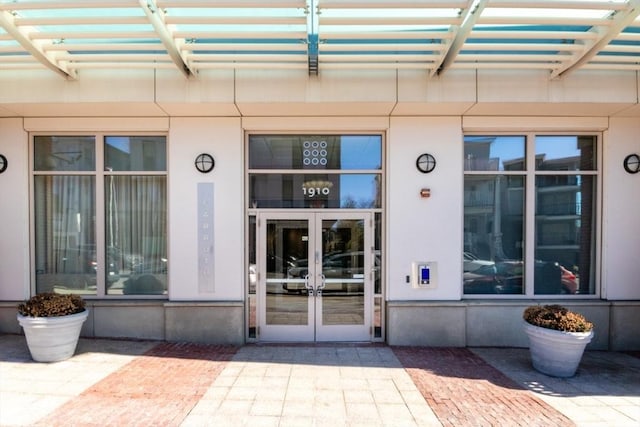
{"points": [[512, 148]]}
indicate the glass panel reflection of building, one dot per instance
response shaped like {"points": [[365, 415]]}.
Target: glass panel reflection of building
{"points": [[494, 237]]}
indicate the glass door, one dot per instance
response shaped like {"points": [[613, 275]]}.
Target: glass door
{"points": [[314, 276]]}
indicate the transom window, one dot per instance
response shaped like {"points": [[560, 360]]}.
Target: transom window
{"points": [[100, 214], [530, 210], [315, 171]]}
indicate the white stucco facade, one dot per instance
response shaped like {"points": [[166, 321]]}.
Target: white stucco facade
{"points": [[215, 111]]}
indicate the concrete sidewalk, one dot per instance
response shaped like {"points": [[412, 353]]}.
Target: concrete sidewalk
{"points": [[120, 383]]}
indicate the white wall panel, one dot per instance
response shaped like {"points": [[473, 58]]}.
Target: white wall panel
{"points": [[332, 93], [97, 124], [450, 94], [424, 229], [98, 93], [621, 228], [540, 124], [14, 212], [211, 93], [222, 138]]}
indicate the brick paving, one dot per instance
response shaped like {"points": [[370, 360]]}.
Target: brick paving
{"points": [[158, 388], [463, 390], [143, 383]]}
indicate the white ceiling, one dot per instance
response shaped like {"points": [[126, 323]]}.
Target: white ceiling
{"points": [[558, 36]]}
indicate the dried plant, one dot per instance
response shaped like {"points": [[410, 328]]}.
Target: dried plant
{"points": [[50, 304], [556, 317]]}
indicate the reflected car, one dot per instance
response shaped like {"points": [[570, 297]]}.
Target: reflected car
{"points": [[549, 278], [80, 265], [481, 280], [569, 280], [151, 266], [470, 262], [338, 265]]}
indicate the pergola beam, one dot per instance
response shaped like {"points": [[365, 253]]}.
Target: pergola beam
{"points": [[157, 20], [621, 19], [21, 35], [471, 16]]}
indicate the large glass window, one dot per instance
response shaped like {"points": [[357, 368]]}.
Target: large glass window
{"points": [[315, 171], [545, 184], [100, 242]]}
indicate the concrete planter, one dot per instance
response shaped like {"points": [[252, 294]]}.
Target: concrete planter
{"points": [[556, 353], [52, 339]]}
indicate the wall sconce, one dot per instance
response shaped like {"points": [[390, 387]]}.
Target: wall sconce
{"points": [[632, 163], [205, 163], [3, 163], [425, 193], [426, 163]]}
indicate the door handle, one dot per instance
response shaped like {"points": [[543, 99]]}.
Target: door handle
{"points": [[323, 283], [308, 285]]}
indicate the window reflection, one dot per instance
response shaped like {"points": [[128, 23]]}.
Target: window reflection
{"points": [[565, 153], [565, 214], [564, 222], [135, 153], [494, 153], [493, 234], [136, 223], [338, 152], [65, 234], [64, 153], [345, 191]]}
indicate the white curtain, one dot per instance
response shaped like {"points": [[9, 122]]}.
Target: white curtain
{"points": [[136, 215], [65, 231]]}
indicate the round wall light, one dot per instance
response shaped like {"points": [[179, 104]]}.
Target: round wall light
{"points": [[205, 163], [632, 163], [426, 163], [3, 163]]}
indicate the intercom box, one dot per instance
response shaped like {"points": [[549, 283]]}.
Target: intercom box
{"points": [[424, 274]]}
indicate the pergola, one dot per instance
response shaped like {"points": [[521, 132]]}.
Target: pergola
{"points": [[558, 36]]}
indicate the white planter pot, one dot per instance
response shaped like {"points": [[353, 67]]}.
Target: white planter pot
{"points": [[52, 339], [556, 353]]}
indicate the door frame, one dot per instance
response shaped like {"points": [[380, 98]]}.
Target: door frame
{"points": [[315, 330]]}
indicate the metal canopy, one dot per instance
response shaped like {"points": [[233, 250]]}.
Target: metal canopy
{"points": [[558, 36]]}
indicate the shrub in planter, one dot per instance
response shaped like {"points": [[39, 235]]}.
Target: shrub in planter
{"points": [[556, 317], [52, 324], [51, 305], [557, 338]]}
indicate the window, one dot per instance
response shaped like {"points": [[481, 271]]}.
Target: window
{"points": [[100, 230], [315, 171], [530, 214]]}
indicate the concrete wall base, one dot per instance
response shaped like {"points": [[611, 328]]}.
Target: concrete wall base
{"points": [[485, 323], [209, 323], [480, 323]]}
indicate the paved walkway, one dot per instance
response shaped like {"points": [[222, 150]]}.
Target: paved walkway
{"points": [[141, 383]]}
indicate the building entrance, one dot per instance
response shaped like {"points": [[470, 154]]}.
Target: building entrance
{"points": [[315, 275]]}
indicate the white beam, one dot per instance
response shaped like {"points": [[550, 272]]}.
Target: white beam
{"points": [[21, 35], [471, 16], [236, 20], [620, 20], [380, 47], [384, 35], [156, 18], [244, 35], [382, 4], [52, 4], [234, 4], [392, 20], [558, 4]]}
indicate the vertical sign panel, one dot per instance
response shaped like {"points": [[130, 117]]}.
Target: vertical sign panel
{"points": [[205, 238]]}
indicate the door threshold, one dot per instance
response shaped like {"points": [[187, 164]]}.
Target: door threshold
{"points": [[317, 344]]}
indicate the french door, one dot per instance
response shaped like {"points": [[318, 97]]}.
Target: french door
{"points": [[315, 274]]}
